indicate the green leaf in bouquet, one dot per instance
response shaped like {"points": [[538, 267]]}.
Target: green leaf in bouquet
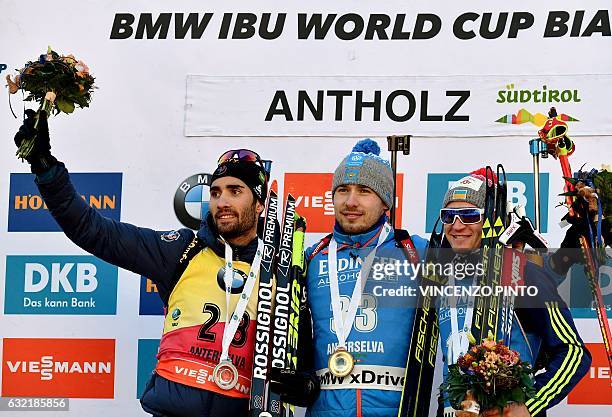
{"points": [[518, 395], [526, 380], [65, 105]]}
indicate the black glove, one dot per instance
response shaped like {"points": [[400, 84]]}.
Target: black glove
{"points": [[570, 252], [297, 388], [40, 159]]}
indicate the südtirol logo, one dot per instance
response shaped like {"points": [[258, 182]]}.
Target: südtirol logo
{"points": [[28, 212], [314, 201], [60, 285], [520, 191], [191, 200], [594, 387], [539, 97], [150, 303], [72, 368], [147, 352]]}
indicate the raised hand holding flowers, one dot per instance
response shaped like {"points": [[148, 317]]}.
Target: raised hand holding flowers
{"points": [[58, 83]]}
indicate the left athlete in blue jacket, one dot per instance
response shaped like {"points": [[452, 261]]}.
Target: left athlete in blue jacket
{"points": [[194, 274]]}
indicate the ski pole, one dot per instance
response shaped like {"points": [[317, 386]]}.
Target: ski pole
{"points": [[537, 148], [561, 146], [591, 268], [395, 144]]}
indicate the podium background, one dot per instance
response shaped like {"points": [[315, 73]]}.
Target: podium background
{"points": [[165, 109]]}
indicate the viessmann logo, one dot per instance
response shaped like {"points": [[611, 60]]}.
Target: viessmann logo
{"points": [[313, 198], [73, 368], [48, 366], [28, 212]]}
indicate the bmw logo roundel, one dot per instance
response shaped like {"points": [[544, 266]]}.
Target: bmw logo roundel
{"points": [[238, 280], [191, 200]]}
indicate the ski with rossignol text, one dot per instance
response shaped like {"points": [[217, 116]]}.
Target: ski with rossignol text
{"points": [[282, 303], [258, 400]]}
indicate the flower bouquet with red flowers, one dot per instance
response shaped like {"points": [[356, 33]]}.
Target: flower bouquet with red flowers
{"points": [[492, 374], [56, 82]]}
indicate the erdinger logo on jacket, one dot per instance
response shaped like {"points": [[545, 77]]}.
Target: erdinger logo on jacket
{"points": [[170, 236], [191, 200], [238, 280]]}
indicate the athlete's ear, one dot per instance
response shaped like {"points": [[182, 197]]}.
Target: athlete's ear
{"points": [[259, 208]]}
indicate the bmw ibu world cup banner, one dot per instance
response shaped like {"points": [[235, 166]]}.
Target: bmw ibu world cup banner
{"points": [[179, 83]]}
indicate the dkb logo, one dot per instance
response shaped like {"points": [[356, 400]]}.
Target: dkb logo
{"points": [[60, 285]]}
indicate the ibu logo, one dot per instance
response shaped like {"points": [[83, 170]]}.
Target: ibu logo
{"points": [[60, 285], [29, 213], [520, 191]]}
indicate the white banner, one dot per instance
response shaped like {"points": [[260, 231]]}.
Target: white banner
{"points": [[456, 106]]}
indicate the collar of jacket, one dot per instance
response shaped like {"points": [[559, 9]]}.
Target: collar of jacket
{"points": [[209, 235], [362, 239]]}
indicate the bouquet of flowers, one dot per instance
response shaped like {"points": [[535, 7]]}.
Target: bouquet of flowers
{"points": [[492, 373], [56, 82]]}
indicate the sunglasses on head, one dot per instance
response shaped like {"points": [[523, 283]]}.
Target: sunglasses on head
{"points": [[244, 155], [466, 215]]}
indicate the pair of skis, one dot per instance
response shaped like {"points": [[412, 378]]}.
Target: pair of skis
{"points": [[487, 312], [419, 373], [278, 305]]}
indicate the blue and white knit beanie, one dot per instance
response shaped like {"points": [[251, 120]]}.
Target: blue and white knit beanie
{"points": [[364, 166]]}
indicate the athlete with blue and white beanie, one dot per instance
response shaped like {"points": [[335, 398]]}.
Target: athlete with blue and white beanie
{"points": [[357, 322], [542, 327]]}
